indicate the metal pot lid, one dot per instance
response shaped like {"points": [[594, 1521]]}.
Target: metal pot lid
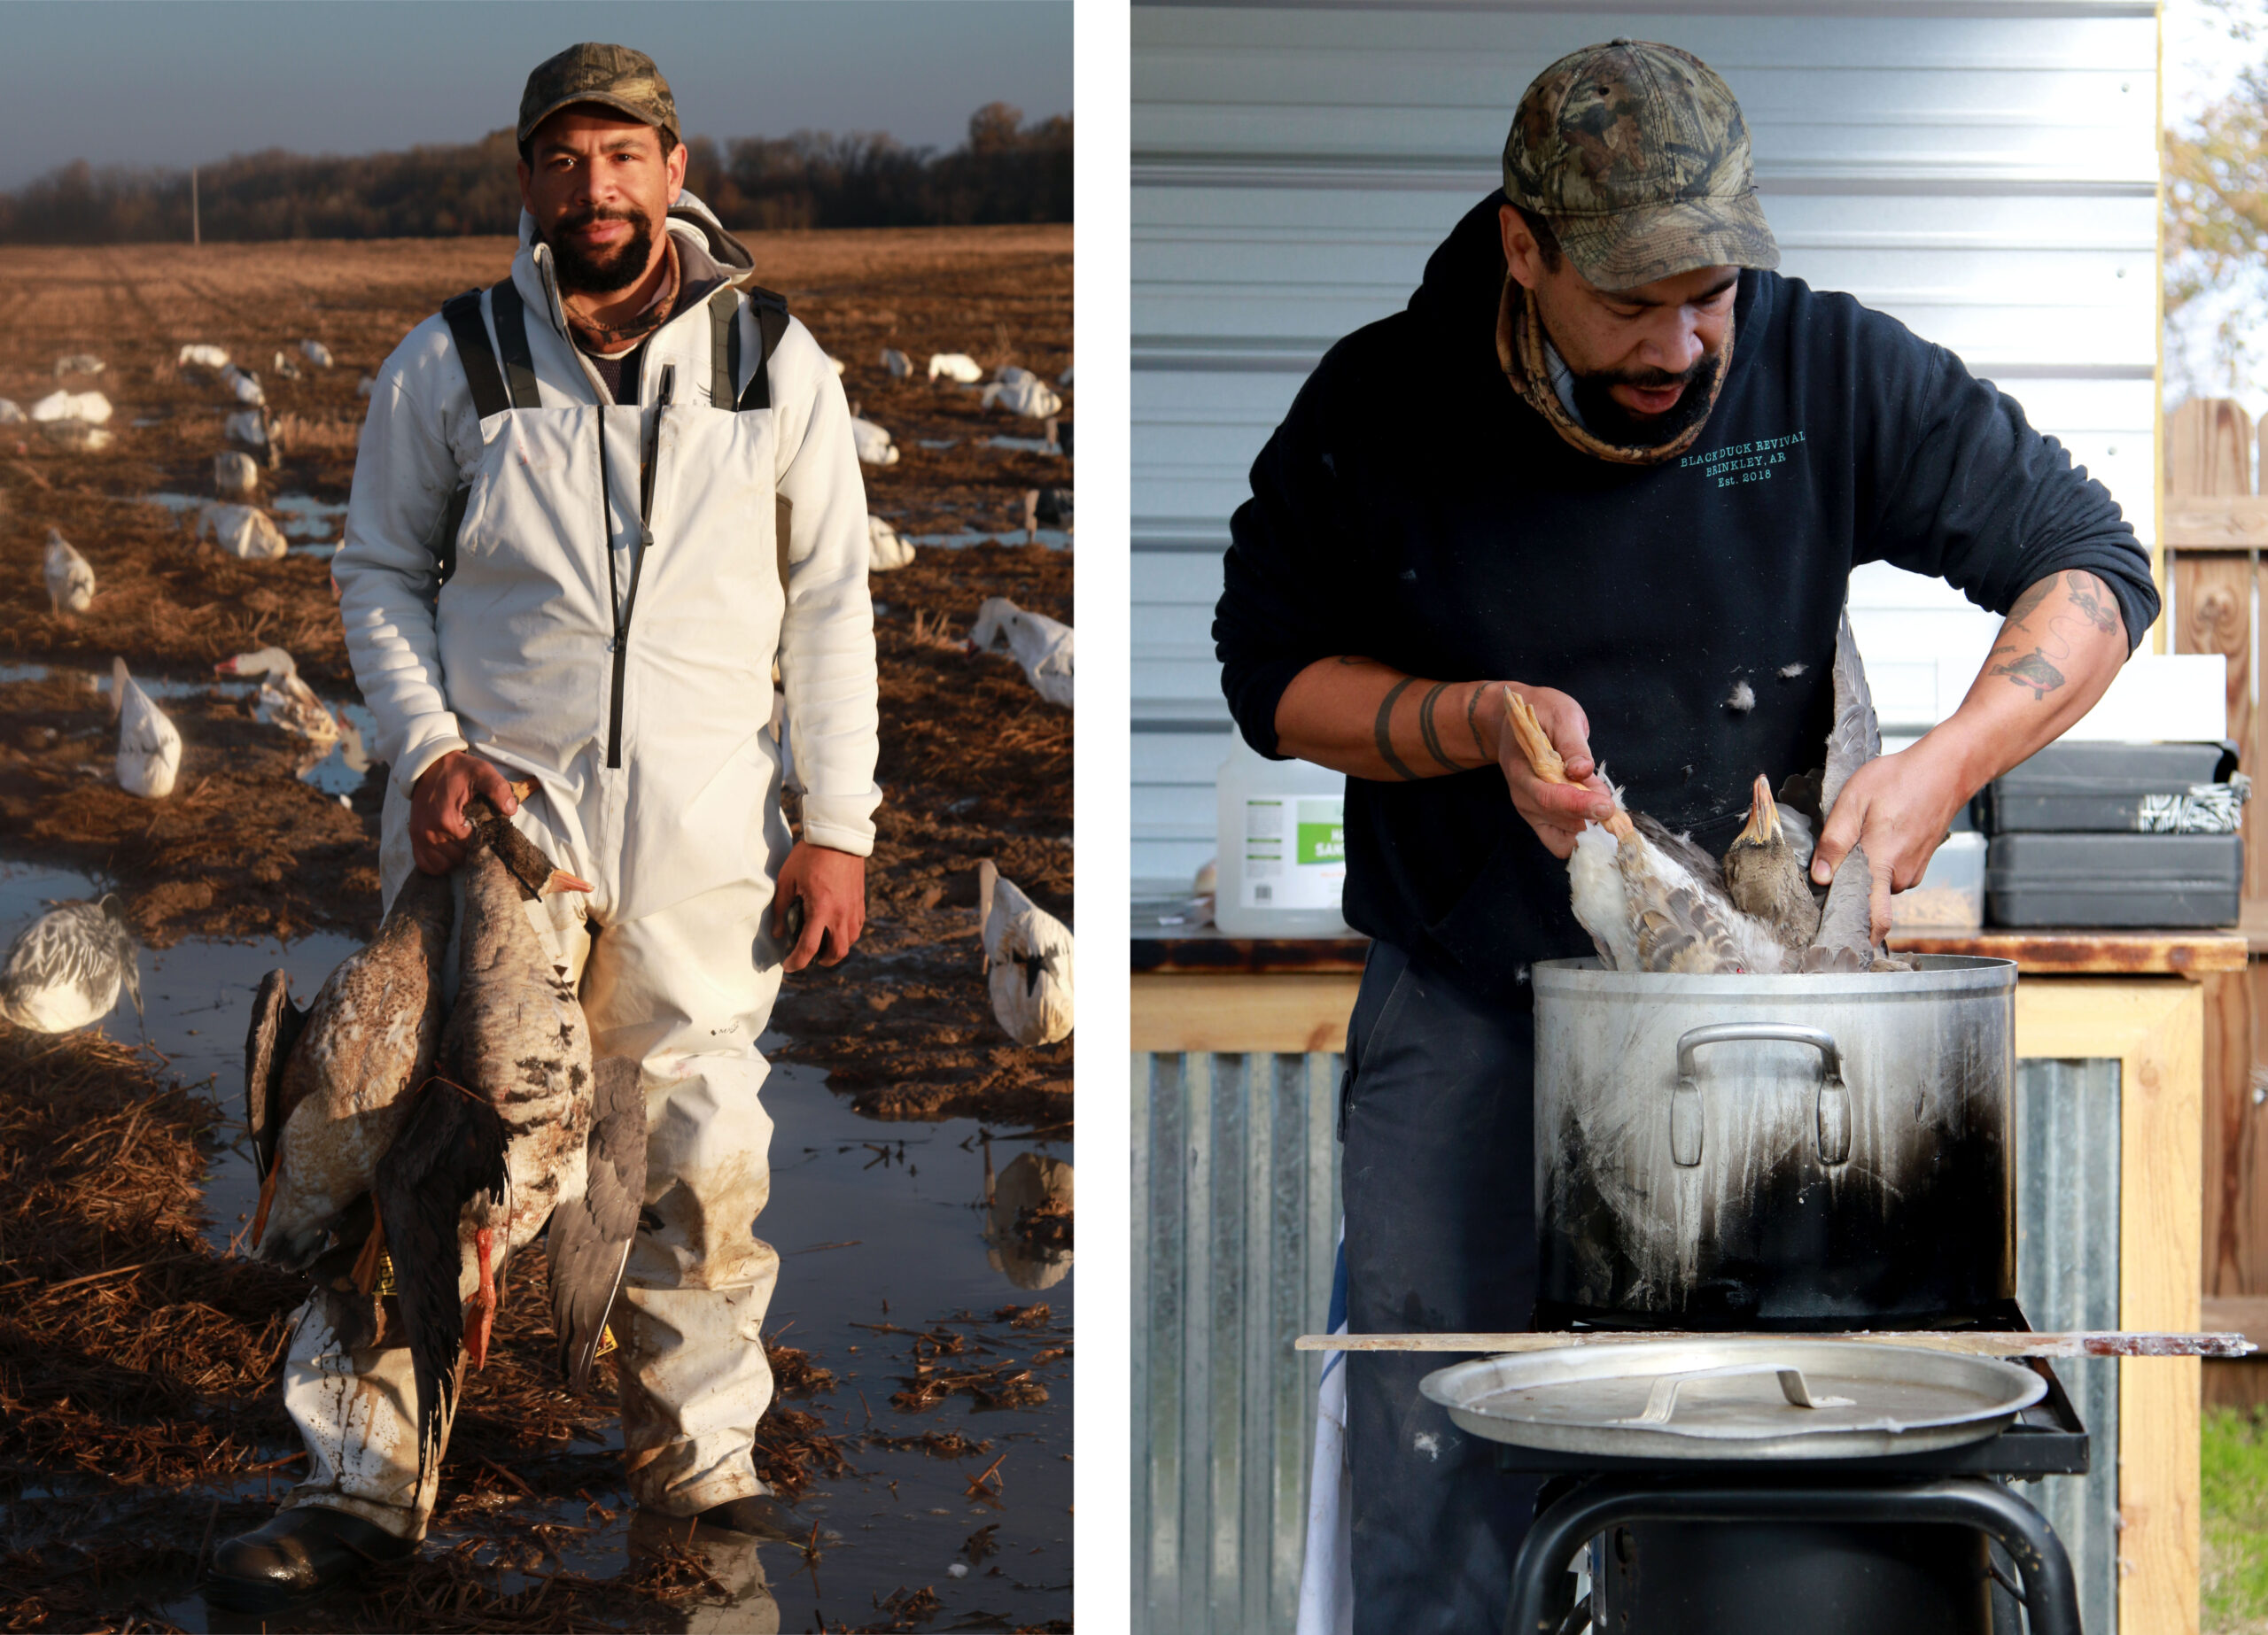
{"points": [[1767, 1397]]}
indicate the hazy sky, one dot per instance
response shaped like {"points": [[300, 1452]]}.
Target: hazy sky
{"points": [[184, 81]]}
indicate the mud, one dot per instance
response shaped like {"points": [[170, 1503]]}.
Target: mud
{"points": [[139, 1422], [974, 765]]}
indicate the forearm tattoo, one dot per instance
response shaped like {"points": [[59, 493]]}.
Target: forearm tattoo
{"points": [[1432, 736], [2087, 605], [1472, 721], [1384, 731]]}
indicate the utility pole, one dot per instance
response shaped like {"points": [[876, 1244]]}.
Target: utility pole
{"points": [[196, 234]]}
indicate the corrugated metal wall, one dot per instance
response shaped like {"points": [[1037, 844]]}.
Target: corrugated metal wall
{"points": [[1236, 1210], [1985, 173], [1236, 1201], [2067, 1277]]}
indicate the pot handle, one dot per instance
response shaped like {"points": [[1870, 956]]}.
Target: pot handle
{"points": [[1834, 1106]]}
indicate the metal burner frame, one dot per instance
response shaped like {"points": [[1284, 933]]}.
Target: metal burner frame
{"points": [[1950, 1485]]}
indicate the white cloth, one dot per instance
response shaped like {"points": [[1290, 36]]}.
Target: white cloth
{"points": [[681, 842], [1327, 1570]]}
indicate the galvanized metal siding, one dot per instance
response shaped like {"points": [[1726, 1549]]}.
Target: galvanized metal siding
{"points": [[2067, 1277], [1236, 1198], [1987, 178]]}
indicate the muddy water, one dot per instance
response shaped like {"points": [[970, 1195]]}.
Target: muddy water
{"points": [[876, 1224]]}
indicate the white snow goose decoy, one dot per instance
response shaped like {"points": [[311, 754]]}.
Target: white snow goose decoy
{"points": [[955, 366], [244, 531], [1041, 645], [149, 745], [886, 547], [290, 702], [873, 444], [235, 474], [64, 969], [1031, 397], [70, 576], [316, 353], [1027, 960]]}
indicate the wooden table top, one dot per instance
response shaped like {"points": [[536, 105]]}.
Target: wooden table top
{"points": [[1161, 948]]}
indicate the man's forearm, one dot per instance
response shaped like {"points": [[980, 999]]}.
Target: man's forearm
{"points": [[1356, 716], [2057, 653]]}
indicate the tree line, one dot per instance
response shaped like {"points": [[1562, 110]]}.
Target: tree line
{"points": [[1007, 171]]}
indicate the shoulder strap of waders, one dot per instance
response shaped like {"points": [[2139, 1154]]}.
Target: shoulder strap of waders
{"points": [[770, 309], [494, 388]]}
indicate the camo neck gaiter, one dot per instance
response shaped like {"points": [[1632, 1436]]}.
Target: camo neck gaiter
{"points": [[1521, 353]]}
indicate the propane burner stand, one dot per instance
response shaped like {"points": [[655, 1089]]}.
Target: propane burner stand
{"points": [[1593, 1495]]}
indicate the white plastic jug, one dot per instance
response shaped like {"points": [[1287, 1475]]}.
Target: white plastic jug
{"points": [[1282, 838]]}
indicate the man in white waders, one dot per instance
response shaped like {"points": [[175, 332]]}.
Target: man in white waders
{"points": [[592, 504]]}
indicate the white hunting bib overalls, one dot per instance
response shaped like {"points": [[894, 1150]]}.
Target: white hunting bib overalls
{"points": [[624, 577]]}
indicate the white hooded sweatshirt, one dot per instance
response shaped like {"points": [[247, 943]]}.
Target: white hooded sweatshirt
{"points": [[516, 661]]}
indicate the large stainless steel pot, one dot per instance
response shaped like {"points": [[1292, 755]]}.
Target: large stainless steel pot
{"points": [[1726, 1150]]}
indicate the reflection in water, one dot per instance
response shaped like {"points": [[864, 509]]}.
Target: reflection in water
{"points": [[740, 1603], [1027, 1219]]}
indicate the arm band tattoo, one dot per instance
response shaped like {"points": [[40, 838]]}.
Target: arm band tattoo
{"points": [[1384, 732], [1425, 726], [1473, 722]]}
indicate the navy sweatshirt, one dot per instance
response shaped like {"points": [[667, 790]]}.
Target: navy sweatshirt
{"points": [[1413, 510]]}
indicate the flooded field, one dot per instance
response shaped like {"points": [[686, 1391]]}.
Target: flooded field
{"points": [[897, 1279], [922, 1343]]}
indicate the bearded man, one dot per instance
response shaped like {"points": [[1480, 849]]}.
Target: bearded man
{"points": [[1643, 470], [592, 506]]}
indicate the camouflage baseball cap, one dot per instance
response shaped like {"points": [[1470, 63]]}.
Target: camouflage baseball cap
{"points": [[1637, 156], [614, 76]]}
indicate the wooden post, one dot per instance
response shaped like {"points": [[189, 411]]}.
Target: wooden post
{"points": [[2152, 1028], [195, 231]]}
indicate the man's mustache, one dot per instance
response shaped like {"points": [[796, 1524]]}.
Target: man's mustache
{"points": [[587, 217], [1658, 380]]}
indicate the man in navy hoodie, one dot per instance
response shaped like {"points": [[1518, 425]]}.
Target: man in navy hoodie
{"points": [[1648, 468]]}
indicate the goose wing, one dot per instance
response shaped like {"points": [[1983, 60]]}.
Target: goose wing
{"points": [[1856, 737], [276, 1024], [450, 1149], [590, 1236], [1845, 939]]}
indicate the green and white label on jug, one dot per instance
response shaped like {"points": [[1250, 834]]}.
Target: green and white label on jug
{"points": [[1295, 851]]}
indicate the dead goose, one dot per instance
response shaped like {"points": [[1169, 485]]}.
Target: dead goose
{"points": [[1652, 900], [1026, 958], [326, 1088], [65, 968], [1846, 941], [504, 1134]]}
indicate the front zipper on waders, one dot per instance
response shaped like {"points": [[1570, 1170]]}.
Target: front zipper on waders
{"points": [[648, 460]]}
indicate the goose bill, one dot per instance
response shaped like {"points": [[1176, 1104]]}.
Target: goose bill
{"points": [[1763, 816]]}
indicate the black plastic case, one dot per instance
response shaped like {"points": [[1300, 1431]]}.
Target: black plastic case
{"points": [[2116, 790], [2114, 881]]}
